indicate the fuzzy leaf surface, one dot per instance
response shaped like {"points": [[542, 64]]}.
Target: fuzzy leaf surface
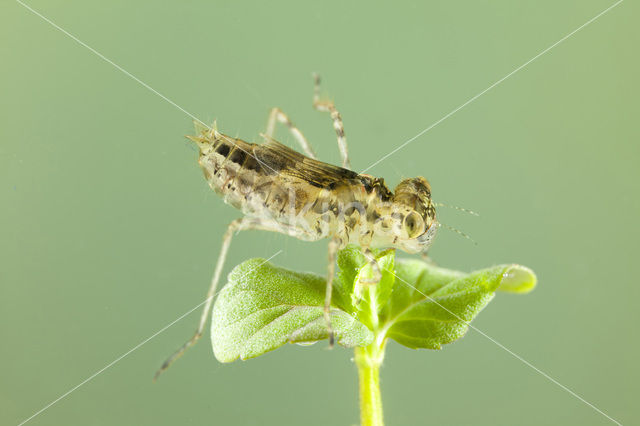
{"points": [[263, 307]]}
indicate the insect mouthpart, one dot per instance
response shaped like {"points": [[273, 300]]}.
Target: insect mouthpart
{"points": [[426, 238]]}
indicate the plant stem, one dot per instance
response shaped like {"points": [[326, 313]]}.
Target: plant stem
{"points": [[369, 360]]}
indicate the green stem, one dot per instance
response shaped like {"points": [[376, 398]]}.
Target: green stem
{"points": [[369, 360]]}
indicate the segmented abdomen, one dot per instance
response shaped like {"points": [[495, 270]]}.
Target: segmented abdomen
{"points": [[233, 170]]}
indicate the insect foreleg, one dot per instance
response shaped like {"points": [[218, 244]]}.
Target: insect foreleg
{"points": [[328, 106], [236, 225], [277, 116]]}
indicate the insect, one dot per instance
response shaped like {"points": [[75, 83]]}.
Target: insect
{"points": [[278, 189]]}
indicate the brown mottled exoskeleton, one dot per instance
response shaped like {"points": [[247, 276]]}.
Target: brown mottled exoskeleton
{"points": [[278, 189]]}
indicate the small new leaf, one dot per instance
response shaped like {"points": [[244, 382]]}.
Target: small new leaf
{"points": [[370, 297], [263, 307]]}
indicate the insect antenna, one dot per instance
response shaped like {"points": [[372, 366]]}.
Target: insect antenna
{"points": [[459, 232], [462, 209]]}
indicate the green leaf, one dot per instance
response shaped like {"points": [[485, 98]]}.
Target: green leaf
{"points": [[263, 307], [432, 306], [423, 277]]}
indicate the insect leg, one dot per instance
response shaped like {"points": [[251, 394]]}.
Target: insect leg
{"points": [[328, 106], [236, 225], [276, 115], [333, 250]]}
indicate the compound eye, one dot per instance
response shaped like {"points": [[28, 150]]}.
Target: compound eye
{"points": [[414, 225]]}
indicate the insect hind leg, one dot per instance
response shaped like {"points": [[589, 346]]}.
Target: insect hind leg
{"points": [[277, 116], [328, 106], [236, 225]]}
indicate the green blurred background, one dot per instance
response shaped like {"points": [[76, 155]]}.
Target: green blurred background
{"points": [[109, 231]]}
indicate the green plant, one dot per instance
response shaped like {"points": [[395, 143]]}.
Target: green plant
{"points": [[417, 304]]}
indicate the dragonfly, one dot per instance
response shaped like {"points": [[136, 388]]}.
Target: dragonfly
{"points": [[281, 190]]}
